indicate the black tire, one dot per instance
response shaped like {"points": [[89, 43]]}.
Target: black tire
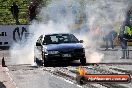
{"points": [[38, 62], [43, 56], [83, 61], [46, 63]]}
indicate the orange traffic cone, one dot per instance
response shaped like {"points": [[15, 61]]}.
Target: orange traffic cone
{"points": [[3, 62]]}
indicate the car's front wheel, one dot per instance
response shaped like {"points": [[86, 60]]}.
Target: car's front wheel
{"points": [[83, 61], [46, 63], [38, 62]]}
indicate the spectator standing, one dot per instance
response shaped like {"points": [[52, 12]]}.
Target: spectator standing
{"points": [[125, 36], [109, 35], [109, 39], [32, 11], [15, 12]]}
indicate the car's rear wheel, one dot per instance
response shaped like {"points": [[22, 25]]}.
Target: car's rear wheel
{"points": [[38, 62], [83, 61]]}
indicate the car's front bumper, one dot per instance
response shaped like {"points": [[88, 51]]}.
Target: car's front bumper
{"points": [[69, 57]]}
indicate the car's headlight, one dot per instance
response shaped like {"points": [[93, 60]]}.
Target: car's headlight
{"points": [[53, 52]]}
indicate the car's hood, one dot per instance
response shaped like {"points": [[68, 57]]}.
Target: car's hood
{"points": [[63, 46]]}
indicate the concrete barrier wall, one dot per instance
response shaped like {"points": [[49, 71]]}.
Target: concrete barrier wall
{"points": [[12, 33]]}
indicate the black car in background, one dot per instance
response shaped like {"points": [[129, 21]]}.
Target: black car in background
{"points": [[58, 47]]}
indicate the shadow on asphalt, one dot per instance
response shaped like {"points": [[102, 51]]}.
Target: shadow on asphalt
{"points": [[63, 64], [2, 85], [66, 64]]}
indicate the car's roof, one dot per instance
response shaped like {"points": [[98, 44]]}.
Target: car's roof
{"points": [[57, 33]]}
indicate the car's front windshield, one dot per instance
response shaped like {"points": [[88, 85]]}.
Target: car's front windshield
{"points": [[60, 38]]}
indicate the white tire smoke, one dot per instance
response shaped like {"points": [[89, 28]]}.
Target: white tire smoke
{"points": [[90, 20]]}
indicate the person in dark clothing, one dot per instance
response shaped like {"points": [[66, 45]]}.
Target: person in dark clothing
{"points": [[32, 11], [125, 53], [15, 11], [126, 34], [109, 39]]}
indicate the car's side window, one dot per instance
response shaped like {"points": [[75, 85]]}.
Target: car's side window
{"points": [[73, 39], [40, 39], [47, 40]]}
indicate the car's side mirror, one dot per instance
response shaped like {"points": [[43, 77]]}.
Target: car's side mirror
{"points": [[81, 41], [38, 44]]}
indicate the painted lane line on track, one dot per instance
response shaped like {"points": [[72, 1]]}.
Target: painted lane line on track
{"points": [[68, 81], [7, 72]]}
